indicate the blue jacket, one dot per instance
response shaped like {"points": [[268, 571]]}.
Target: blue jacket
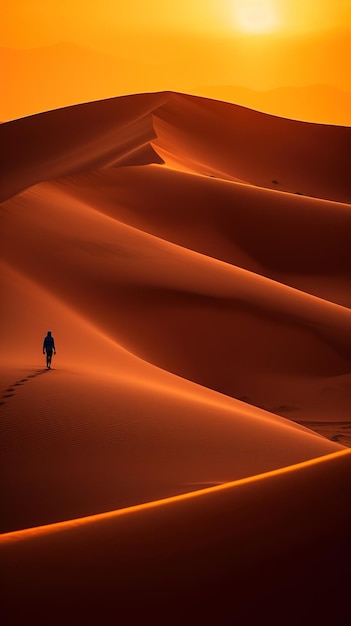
{"points": [[49, 343]]}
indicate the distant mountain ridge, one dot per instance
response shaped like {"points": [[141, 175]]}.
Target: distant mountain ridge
{"points": [[41, 79], [312, 103]]}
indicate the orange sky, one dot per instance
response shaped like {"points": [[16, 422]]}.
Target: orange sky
{"points": [[60, 53]]}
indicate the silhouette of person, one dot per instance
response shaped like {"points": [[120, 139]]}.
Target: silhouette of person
{"points": [[49, 348]]}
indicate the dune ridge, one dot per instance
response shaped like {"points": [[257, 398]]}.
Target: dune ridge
{"points": [[72, 523], [201, 310]]}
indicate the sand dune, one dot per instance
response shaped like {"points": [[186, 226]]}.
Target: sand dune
{"points": [[205, 136], [201, 311], [110, 430]]}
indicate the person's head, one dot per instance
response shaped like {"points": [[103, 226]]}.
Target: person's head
{"points": [[49, 333]]}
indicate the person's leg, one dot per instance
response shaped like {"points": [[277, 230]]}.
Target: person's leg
{"points": [[48, 358]]}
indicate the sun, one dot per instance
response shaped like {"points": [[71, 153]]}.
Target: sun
{"points": [[256, 16]]}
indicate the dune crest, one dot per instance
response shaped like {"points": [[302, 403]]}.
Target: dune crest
{"points": [[208, 137]]}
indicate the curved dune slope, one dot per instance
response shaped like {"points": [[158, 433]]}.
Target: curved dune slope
{"points": [[217, 324], [201, 311], [106, 429]]}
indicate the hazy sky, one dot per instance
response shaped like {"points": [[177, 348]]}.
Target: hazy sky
{"points": [[99, 23], [176, 45]]}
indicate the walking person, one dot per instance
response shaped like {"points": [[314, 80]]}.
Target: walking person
{"points": [[49, 348]]}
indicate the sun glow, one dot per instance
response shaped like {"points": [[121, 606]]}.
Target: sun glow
{"points": [[256, 16]]}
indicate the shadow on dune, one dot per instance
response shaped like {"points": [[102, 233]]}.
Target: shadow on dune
{"points": [[12, 388]]}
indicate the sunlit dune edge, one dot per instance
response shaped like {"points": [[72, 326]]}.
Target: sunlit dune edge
{"points": [[229, 554], [67, 524]]}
